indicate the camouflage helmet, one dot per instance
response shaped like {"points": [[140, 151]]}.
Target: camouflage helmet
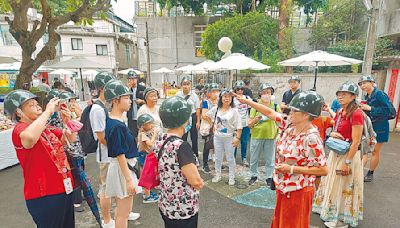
{"points": [[102, 78], [350, 87], [52, 94], [309, 102], [366, 78], [67, 96], [213, 86], [174, 112], [148, 90], [144, 119], [239, 84], [265, 86], [132, 74], [294, 78], [15, 99], [184, 79], [115, 89]]}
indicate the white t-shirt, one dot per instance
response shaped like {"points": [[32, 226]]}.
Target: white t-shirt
{"points": [[98, 123], [193, 99], [243, 111], [156, 115], [226, 123]]}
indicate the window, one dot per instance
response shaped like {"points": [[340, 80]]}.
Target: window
{"points": [[101, 50], [77, 44], [127, 53], [198, 31]]}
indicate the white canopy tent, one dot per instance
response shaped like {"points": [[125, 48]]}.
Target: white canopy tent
{"points": [[164, 72], [317, 59], [238, 61]]}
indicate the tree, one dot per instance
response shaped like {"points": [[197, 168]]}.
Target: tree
{"points": [[53, 16], [355, 49], [342, 21], [252, 34]]}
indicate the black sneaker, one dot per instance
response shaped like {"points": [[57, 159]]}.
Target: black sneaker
{"points": [[270, 184], [252, 180], [206, 169], [369, 177]]}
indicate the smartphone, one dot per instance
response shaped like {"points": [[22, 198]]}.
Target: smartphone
{"points": [[63, 106]]}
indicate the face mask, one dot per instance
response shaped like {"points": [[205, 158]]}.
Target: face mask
{"points": [[265, 97]]}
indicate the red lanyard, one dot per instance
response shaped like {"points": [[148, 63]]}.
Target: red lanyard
{"points": [[57, 155]]}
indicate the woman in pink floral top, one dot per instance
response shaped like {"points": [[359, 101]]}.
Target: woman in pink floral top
{"points": [[299, 158]]}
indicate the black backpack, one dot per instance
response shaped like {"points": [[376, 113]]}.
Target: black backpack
{"points": [[89, 144]]}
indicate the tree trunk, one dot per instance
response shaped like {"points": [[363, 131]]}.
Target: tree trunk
{"points": [[285, 10]]}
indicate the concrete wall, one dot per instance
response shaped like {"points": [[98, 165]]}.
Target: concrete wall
{"points": [[171, 41], [388, 21], [327, 84], [396, 100]]}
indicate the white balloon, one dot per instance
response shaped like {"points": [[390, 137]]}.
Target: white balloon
{"points": [[225, 44]]}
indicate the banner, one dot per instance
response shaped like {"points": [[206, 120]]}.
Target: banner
{"points": [[4, 80], [392, 84]]}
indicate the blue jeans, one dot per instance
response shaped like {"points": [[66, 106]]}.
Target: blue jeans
{"points": [[266, 147], [244, 140]]}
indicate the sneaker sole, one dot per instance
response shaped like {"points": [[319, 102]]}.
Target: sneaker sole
{"points": [[147, 202]]}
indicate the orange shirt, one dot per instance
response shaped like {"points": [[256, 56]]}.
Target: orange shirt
{"points": [[323, 123]]}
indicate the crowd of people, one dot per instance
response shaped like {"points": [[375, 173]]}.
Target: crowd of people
{"points": [[314, 155]]}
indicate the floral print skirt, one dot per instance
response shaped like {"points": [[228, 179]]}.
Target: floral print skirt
{"points": [[340, 198]]}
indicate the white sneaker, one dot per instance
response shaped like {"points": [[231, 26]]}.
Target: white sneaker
{"points": [[111, 224], [133, 216], [338, 224], [216, 179], [231, 181]]}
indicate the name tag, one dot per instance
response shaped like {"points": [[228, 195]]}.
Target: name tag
{"points": [[68, 185]]}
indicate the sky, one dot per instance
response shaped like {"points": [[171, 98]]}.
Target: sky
{"points": [[124, 9]]}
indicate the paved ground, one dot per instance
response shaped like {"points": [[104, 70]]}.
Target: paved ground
{"points": [[217, 208]]}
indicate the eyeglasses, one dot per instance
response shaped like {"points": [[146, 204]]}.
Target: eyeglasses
{"points": [[239, 89]]}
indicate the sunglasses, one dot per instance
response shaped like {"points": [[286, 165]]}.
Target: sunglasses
{"points": [[239, 89]]}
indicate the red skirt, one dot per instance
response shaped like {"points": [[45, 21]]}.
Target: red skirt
{"points": [[293, 209]]}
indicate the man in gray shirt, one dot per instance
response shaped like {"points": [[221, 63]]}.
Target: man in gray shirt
{"points": [[194, 100]]}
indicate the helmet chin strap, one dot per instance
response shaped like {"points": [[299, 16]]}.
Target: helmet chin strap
{"points": [[19, 111]]}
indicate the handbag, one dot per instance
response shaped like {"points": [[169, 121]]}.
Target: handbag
{"points": [[209, 142], [150, 177], [339, 146]]}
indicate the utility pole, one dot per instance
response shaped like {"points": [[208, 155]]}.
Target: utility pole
{"points": [[148, 54], [371, 37]]}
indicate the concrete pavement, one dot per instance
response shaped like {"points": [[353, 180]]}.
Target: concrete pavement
{"points": [[381, 201]]}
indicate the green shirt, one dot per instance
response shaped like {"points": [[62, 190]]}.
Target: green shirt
{"points": [[266, 129]]}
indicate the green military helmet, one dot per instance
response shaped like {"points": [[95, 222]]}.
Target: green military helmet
{"points": [[309, 102], [148, 90], [225, 91], [52, 94], [350, 87], [115, 89], [67, 96], [294, 78], [265, 86], [144, 119], [205, 88], [174, 112], [213, 86], [186, 79], [102, 78], [15, 99], [366, 78], [239, 84], [132, 74]]}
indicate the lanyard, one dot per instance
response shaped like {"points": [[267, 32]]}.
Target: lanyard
{"points": [[57, 158]]}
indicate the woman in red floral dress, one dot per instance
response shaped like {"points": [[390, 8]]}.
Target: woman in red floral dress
{"points": [[299, 158]]}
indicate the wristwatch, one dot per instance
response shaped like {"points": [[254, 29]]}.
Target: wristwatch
{"points": [[347, 162]]}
